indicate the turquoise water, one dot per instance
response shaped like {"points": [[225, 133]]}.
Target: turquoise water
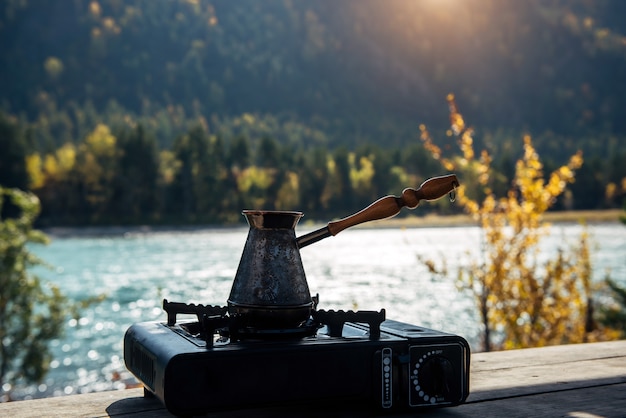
{"points": [[357, 269]]}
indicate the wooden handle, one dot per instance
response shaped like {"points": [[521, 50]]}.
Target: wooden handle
{"points": [[389, 206]]}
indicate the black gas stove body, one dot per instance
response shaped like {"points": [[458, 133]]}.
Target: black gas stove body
{"points": [[358, 357]]}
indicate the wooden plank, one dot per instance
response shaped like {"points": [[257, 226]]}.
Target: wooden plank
{"points": [[521, 372], [547, 355], [84, 405], [593, 402], [602, 401], [571, 380], [599, 401]]}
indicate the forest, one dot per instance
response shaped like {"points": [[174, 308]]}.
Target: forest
{"points": [[176, 112]]}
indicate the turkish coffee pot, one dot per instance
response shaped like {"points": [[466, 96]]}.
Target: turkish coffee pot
{"points": [[270, 290]]}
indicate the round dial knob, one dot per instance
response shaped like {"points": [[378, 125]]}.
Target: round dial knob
{"points": [[432, 376]]}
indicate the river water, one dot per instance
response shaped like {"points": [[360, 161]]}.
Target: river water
{"points": [[360, 268]]}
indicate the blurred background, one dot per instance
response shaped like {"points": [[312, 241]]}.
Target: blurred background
{"points": [[123, 107]]}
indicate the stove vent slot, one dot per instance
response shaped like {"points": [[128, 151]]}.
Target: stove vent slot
{"points": [[142, 363]]}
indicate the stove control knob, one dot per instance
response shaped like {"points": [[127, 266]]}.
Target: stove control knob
{"points": [[433, 378]]}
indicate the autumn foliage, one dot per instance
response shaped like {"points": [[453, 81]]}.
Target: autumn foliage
{"points": [[524, 298]]}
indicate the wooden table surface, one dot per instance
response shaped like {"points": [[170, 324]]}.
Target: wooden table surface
{"points": [[584, 380]]}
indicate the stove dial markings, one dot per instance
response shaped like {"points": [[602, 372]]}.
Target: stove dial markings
{"points": [[432, 377], [386, 375]]}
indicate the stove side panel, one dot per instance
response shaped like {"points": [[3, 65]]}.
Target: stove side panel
{"points": [[234, 379]]}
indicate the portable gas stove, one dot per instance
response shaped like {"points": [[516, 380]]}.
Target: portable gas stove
{"points": [[214, 363], [271, 345]]}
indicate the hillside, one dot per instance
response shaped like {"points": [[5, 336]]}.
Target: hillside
{"points": [[323, 71]]}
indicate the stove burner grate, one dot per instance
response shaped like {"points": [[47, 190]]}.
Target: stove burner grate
{"points": [[214, 320]]}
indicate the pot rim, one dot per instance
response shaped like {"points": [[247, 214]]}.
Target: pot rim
{"points": [[272, 219], [271, 212]]}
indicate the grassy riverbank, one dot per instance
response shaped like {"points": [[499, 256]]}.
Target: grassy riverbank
{"points": [[410, 221]]}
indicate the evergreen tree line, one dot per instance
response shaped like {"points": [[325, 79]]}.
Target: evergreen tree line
{"points": [[122, 176], [351, 70]]}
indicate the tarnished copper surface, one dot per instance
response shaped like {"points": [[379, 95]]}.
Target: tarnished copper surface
{"points": [[270, 286]]}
